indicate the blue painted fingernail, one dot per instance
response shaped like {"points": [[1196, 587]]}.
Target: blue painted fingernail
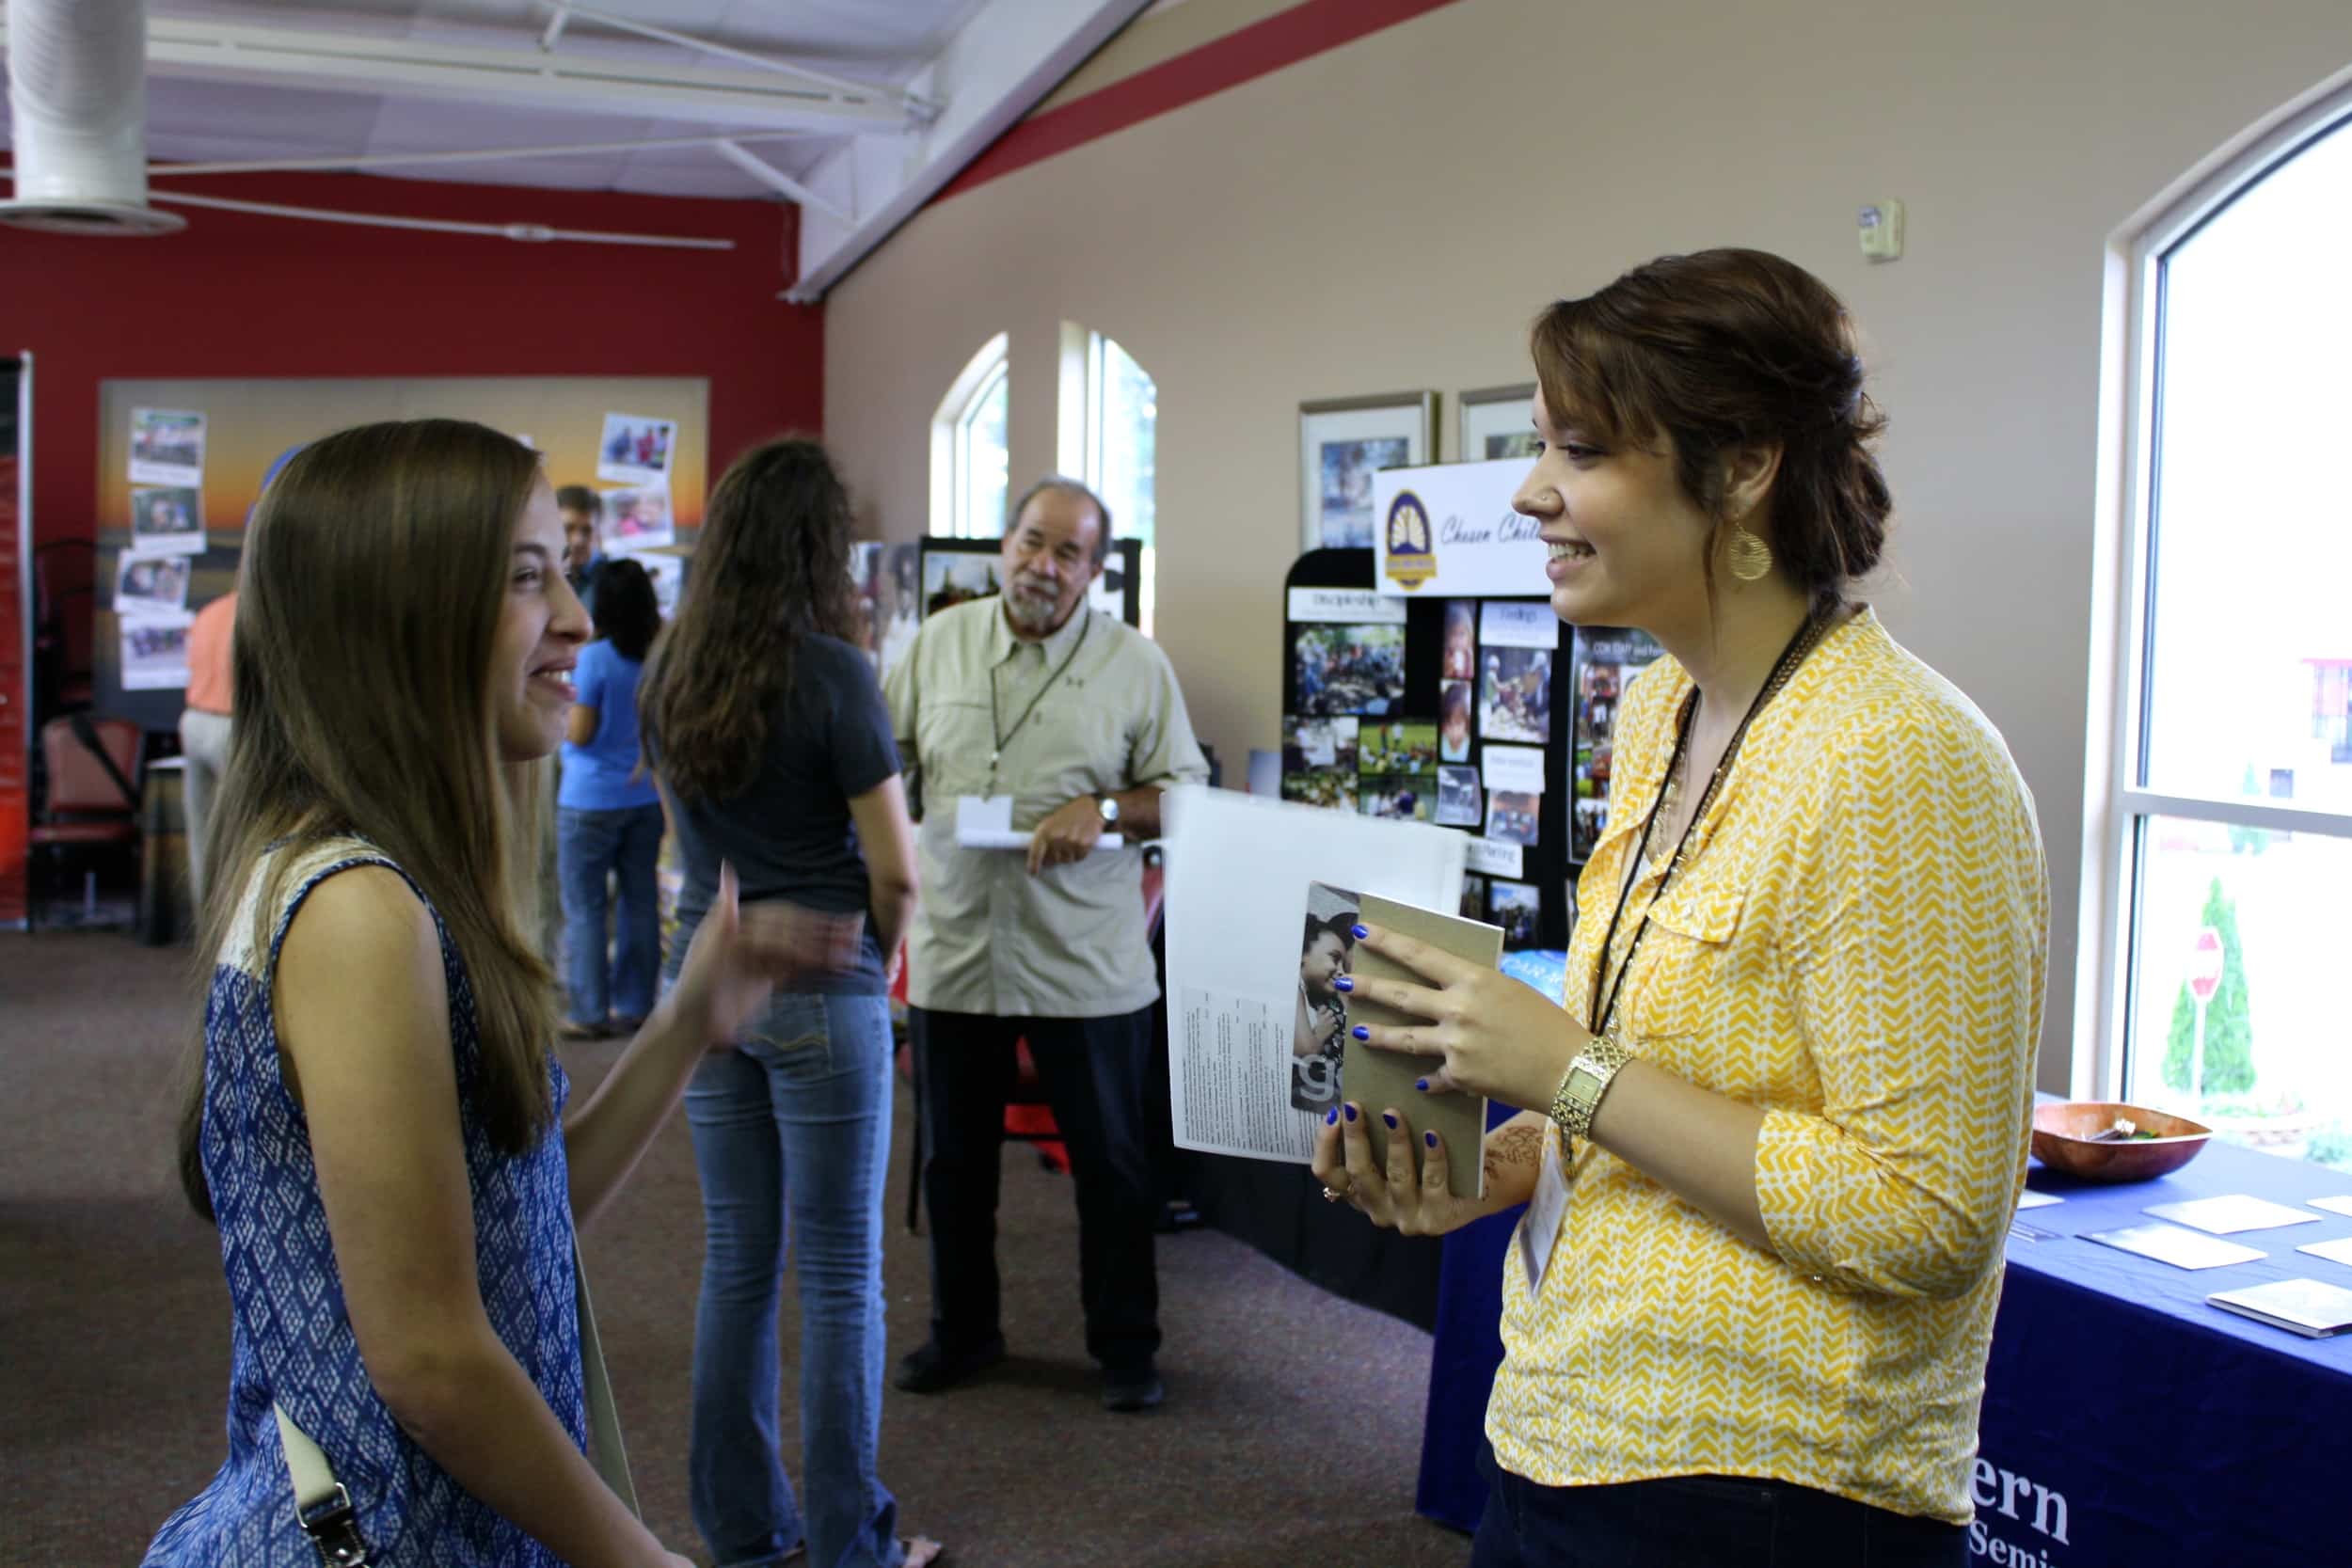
{"points": [[1332, 1116], [1359, 932], [1351, 1113], [1389, 1117], [1429, 1139], [1360, 1032], [1422, 1084], [1343, 983]]}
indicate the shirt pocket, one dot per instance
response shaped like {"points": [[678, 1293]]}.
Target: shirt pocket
{"points": [[1079, 748], [1697, 974]]}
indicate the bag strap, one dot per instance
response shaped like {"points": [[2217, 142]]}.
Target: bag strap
{"points": [[323, 1508], [87, 732]]}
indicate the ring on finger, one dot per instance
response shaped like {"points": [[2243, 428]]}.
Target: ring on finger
{"points": [[1333, 1194]]}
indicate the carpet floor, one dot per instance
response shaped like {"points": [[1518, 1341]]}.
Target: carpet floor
{"points": [[1290, 1437]]}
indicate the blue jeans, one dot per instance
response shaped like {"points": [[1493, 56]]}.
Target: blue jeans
{"points": [[1721, 1521], [589, 845], [792, 1138]]}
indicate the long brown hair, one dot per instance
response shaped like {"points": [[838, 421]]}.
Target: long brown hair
{"points": [[771, 565], [1720, 349], [376, 569]]}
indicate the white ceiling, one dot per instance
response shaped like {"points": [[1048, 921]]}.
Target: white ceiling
{"points": [[197, 115], [859, 110]]}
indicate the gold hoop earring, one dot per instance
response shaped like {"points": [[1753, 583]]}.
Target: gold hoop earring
{"points": [[1749, 558]]}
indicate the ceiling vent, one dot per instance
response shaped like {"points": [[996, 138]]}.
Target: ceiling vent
{"points": [[77, 96]]}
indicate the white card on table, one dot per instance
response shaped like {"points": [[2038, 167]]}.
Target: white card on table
{"points": [[2031, 1199], [1539, 1227], [2337, 1251], [2308, 1306], [2183, 1249], [2223, 1216], [2333, 1205]]}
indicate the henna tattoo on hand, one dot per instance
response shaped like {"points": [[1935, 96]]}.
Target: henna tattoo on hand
{"points": [[1513, 1146]]}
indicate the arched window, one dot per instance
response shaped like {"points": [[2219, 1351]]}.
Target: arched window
{"points": [[971, 458], [1110, 437], [2220, 799]]}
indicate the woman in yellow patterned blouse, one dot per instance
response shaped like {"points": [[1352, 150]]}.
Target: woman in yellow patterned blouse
{"points": [[1774, 1145]]}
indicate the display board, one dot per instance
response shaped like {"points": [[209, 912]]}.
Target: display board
{"points": [[1487, 714], [181, 463]]}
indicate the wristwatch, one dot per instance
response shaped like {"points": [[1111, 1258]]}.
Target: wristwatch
{"points": [[1108, 806], [1586, 1080]]}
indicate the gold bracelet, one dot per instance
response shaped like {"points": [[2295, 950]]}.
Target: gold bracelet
{"points": [[1587, 1077]]}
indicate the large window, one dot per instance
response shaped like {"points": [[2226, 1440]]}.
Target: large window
{"points": [[971, 457], [2228, 822], [1110, 438]]}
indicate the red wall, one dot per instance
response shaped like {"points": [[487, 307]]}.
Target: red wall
{"points": [[235, 295]]}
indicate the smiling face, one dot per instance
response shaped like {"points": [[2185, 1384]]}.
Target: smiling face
{"points": [[1323, 961], [1628, 543], [541, 627]]}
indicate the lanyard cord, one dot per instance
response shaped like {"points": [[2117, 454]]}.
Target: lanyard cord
{"points": [[995, 722], [1807, 636]]}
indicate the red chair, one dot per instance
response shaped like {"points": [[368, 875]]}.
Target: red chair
{"points": [[1028, 1114], [92, 795]]}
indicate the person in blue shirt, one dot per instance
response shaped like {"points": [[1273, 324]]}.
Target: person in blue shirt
{"points": [[609, 816]]}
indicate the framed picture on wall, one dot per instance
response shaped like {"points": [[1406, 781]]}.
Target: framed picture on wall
{"points": [[1495, 423], [1342, 443]]}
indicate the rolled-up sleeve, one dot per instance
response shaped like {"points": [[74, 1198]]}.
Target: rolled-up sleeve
{"points": [[1916, 951]]}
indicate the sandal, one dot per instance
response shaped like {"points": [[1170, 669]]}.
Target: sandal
{"points": [[922, 1551]]}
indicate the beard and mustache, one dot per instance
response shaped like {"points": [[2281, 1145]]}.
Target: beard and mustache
{"points": [[1034, 603]]}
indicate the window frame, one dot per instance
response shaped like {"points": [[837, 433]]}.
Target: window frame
{"points": [[951, 441], [1080, 444], [2119, 809]]}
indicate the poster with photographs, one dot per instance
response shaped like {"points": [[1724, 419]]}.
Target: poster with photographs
{"points": [[1319, 1025], [148, 585], [1461, 640], [1518, 909], [1606, 662], [1511, 816], [888, 582], [636, 517], [1342, 443], [1401, 747], [166, 447], [1461, 803], [168, 521], [1320, 745], [1515, 646], [1497, 422], [1327, 787], [951, 577], [1396, 797], [155, 650], [1349, 668], [1473, 896], [635, 450], [1456, 700]]}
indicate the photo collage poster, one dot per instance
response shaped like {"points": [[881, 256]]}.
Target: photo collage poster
{"points": [[1606, 662], [151, 588], [1361, 735], [635, 455]]}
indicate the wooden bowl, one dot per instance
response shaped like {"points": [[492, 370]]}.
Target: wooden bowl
{"points": [[2062, 1141]]}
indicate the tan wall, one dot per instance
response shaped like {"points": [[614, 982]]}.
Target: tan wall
{"points": [[1391, 214]]}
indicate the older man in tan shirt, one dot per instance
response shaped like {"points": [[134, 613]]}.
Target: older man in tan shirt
{"points": [[1078, 717]]}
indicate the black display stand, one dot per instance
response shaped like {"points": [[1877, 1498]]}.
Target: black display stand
{"points": [[1544, 865]]}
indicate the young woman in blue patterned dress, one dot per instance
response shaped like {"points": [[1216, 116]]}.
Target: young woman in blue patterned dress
{"points": [[379, 1131]]}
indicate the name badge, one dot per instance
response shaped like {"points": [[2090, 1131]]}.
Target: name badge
{"points": [[1539, 1227]]}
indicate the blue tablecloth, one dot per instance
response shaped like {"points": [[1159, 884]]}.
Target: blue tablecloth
{"points": [[2125, 1421]]}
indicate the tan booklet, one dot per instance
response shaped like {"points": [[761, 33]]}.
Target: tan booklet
{"points": [[1382, 1080]]}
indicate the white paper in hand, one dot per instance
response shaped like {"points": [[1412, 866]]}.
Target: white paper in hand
{"points": [[985, 822]]}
